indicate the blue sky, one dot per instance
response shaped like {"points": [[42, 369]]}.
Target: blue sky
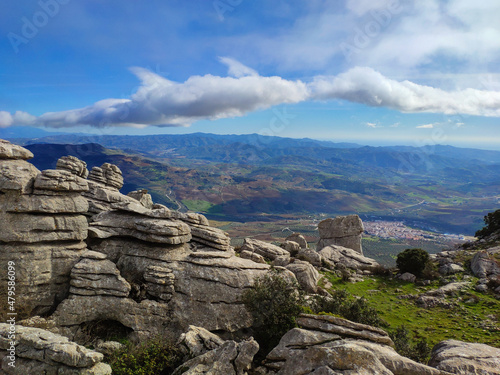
{"points": [[370, 71]]}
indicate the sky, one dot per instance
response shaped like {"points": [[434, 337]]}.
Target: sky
{"points": [[378, 72]]}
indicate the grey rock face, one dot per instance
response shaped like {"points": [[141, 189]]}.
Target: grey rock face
{"points": [[12, 151], [159, 283], [329, 345], [310, 256], [73, 165], [43, 227], [108, 174], [231, 358], [197, 341], [143, 197], [485, 264], [267, 250], [348, 257], [291, 246], [458, 357], [60, 180], [307, 276], [450, 269], [343, 231], [300, 239], [38, 351], [17, 175], [120, 223], [245, 254], [96, 275]]}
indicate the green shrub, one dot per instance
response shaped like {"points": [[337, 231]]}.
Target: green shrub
{"points": [[419, 352], [492, 221], [343, 304], [154, 357], [413, 261], [275, 303]]}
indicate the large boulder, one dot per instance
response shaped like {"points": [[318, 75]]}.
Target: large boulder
{"points": [[307, 276], [267, 250], [37, 351], [300, 239], [343, 231], [329, 345], [13, 152], [485, 265], [463, 358], [197, 341], [231, 358], [347, 257]]}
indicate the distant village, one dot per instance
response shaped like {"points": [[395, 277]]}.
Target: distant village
{"points": [[398, 230]]}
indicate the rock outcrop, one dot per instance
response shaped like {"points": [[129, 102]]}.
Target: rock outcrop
{"points": [[330, 345], [485, 264], [463, 358], [343, 231], [307, 276], [231, 358], [37, 351], [43, 227], [348, 258], [298, 238], [267, 250]]}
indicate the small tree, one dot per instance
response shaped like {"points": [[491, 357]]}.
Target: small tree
{"points": [[492, 221], [419, 351], [275, 303], [413, 261]]}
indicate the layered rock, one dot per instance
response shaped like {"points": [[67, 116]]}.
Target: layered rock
{"points": [[43, 227], [347, 257], [73, 165], [197, 341], [202, 289], [343, 231], [143, 197], [330, 345], [267, 250], [41, 352], [459, 357], [231, 358], [95, 275]]}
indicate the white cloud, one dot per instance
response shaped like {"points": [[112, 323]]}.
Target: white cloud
{"points": [[161, 102], [426, 126], [366, 86], [18, 118], [371, 125]]}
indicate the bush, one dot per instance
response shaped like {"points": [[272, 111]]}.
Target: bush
{"points": [[155, 357], [275, 303], [343, 304], [492, 221], [419, 352], [413, 261]]}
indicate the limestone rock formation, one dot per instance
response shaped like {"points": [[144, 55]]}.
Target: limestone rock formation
{"points": [[291, 246], [197, 341], [73, 165], [95, 275], [347, 257], [329, 345], [486, 266], [41, 352], [343, 231], [300, 239], [267, 250], [43, 227], [463, 358], [13, 152], [143, 197], [307, 276], [245, 254], [231, 358]]}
